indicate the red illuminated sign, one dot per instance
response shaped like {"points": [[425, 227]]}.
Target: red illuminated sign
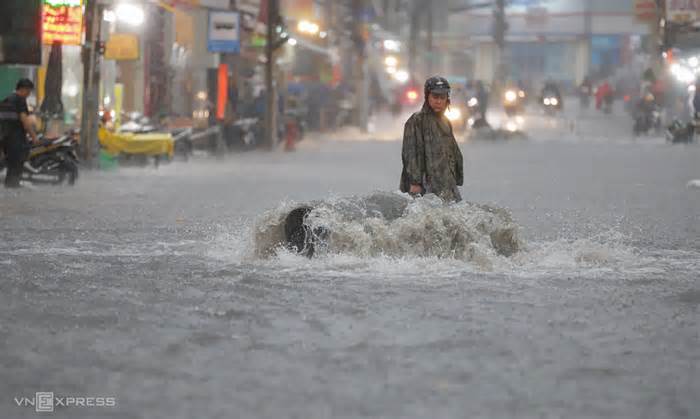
{"points": [[63, 22]]}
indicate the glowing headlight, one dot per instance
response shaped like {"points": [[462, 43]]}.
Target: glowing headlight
{"points": [[511, 96], [547, 102], [554, 101], [684, 75], [473, 102], [521, 94], [453, 114], [511, 126]]}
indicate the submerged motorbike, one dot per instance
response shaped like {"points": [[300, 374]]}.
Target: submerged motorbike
{"points": [[54, 161]]}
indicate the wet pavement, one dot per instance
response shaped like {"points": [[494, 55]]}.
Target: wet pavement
{"points": [[141, 285]]}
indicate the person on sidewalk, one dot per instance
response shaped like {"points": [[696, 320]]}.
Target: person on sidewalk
{"points": [[15, 125]]}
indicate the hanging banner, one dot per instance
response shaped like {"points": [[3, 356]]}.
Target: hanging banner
{"points": [[224, 32], [682, 11], [62, 21], [221, 92]]}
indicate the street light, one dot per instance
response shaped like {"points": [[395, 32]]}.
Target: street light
{"points": [[391, 45], [308, 27], [130, 14]]}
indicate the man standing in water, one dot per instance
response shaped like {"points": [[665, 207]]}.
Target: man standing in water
{"points": [[432, 161]]}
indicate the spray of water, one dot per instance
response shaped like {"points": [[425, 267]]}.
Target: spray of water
{"points": [[396, 225]]}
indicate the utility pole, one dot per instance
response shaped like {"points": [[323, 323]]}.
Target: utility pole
{"points": [[413, 38], [500, 29], [91, 80], [429, 40], [589, 37], [359, 11], [270, 108], [660, 35]]}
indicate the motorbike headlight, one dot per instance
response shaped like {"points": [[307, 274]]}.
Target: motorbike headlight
{"points": [[554, 101], [511, 126], [473, 102], [511, 96], [521, 94], [547, 102], [453, 114]]}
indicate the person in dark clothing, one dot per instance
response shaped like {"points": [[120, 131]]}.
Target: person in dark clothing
{"points": [[14, 118], [696, 100], [482, 95], [432, 160]]}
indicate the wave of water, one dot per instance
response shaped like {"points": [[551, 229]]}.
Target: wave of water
{"points": [[430, 238], [396, 225]]}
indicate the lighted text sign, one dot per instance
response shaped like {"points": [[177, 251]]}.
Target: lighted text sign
{"points": [[63, 22]]}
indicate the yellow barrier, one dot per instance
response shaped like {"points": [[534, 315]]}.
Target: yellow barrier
{"points": [[155, 144]]}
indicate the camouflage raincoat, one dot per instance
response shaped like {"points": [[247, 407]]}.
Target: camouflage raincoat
{"points": [[431, 156]]}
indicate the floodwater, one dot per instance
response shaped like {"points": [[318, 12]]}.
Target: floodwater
{"points": [[143, 285]]}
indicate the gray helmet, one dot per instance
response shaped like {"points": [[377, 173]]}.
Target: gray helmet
{"points": [[438, 85]]}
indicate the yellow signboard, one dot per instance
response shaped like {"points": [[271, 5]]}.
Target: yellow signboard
{"points": [[122, 47]]}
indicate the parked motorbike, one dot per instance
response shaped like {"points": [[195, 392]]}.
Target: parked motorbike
{"points": [[54, 161], [245, 134], [680, 133]]}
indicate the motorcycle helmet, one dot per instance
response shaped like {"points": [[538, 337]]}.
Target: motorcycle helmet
{"points": [[437, 85]]}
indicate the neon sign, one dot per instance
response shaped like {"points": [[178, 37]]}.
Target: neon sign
{"points": [[58, 3], [63, 22]]}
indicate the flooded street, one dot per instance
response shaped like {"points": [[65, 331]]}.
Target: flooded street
{"points": [[141, 285]]}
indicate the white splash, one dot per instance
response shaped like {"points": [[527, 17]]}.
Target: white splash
{"points": [[398, 226]]}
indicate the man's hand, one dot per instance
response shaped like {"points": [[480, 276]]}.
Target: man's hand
{"points": [[416, 190]]}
